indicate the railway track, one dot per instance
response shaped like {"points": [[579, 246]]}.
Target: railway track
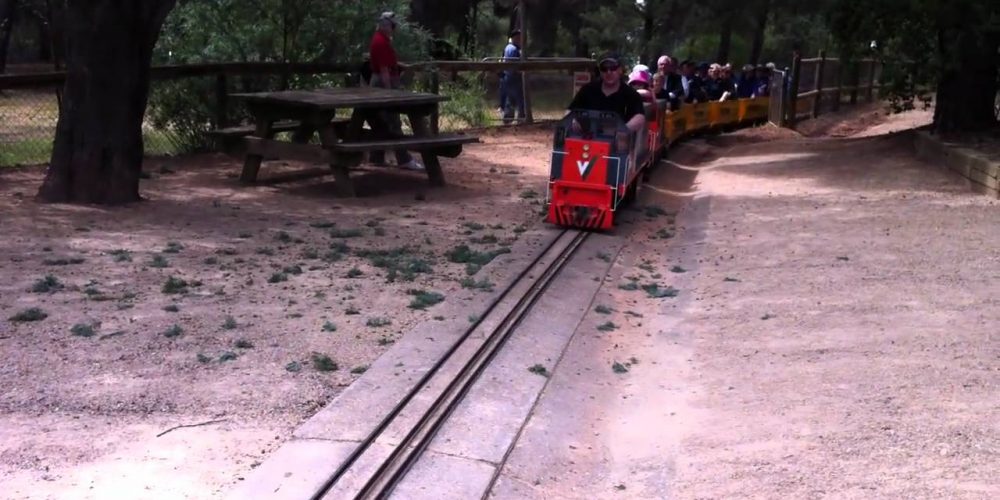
{"points": [[381, 460]]}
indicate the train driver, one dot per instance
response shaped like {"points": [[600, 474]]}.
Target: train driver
{"points": [[611, 93]]}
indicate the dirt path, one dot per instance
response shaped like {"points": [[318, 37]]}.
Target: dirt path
{"points": [[836, 335]]}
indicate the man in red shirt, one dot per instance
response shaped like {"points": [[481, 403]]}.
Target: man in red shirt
{"points": [[385, 74]]}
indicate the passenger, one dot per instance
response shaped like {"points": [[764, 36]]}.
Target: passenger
{"points": [[670, 88], [747, 84], [639, 80], [713, 85], [609, 93], [762, 87], [691, 84]]}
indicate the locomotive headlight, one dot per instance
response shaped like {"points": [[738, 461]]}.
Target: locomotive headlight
{"points": [[585, 155]]}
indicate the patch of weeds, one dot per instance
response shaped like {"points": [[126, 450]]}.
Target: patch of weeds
{"points": [[384, 341], [473, 318], [265, 251], [323, 225], [92, 292], [121, 255], [462, 254], [229, 323], [730, 280], [646, 266], [358, 370], [245, 235], [159, 261], [423, 299], [210, 261], [653, 211], [844, 258], [310, 253], [653, 290], [294, 270], [277, 278], [83, 330], [656, 276], [604, 256], [173, 247], [294, 367], [352, 311], [619, 368], [397, 261], [173, 331], [174, 285], [204, 359], [664, 234], [329, 327], [243, 344], [678, 269], [283, 237], [70, 261], [520, 229], [172, 308], [633, 361], [354, 272], [486, 239], [538, 369], [528, 194], [496, 226], [345, 233], [602, 309], [438, 318], [633, 313], [48, 284], [620, 487], [483, 284], [31, 314], [631, 286], [320, 294], [767, 316], [228, 356], [294, 315], [378, 321], [474, 226], [323, 363], [607, 327]]}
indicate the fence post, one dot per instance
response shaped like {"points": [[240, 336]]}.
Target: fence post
{"points": [[793, 92], [840, 84], [871, 80], [529, 117], [435, 89], [855, 81], [221, 101], [817, 100]]}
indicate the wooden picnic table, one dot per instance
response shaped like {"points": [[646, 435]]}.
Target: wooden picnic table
{"points": [[344, 142]]}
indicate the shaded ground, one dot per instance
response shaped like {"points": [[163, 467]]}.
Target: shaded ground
{"points": [[276, 278], [835, 335]]}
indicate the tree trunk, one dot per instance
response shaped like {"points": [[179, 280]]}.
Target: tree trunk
{"points": [[648, 51], [97, 154], [967, 90], [6, 27], [725, 38], [760, 28]]}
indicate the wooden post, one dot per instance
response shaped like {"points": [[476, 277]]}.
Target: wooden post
{"points": [[840, 84], [793, 92], [871, 79], [855, 81], [435, 89], [528, 116], [221, 101], [818, 98]]}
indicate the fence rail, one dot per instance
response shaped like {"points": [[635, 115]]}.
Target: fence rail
{"points": [[817, 85], [187, 100]]}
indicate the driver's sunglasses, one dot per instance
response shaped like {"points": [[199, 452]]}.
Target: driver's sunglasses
{"points": [[609, 67]]}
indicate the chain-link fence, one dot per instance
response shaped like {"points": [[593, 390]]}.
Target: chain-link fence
{"points": [[184, 105]]}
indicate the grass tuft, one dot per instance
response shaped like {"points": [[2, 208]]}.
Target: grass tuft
{"points": [[171, 308], [354, 272], [631, 286], [619, 368], [607, 327], [329, 327], [424, 299], [173, 247], [358, 370], [204, 359], [678, 269], [173, 331], [483, 284], [27, 315], [174, 285], [654, 291], [345, 233], [83, 330], [159, 261], [277, 278], [243, 344], [229, 323], [294, 367], [323, 363], [462, 254], [121, 255], [378, 321], [228, 356], [352, 311], [538, 369], [602, 309], [48, 284]]}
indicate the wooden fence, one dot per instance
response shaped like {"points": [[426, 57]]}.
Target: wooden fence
{"points": [[821, 84]]}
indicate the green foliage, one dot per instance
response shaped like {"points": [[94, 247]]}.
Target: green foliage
{"points": [[423, 299], [31, 314], [324, 363], [48, 284]]}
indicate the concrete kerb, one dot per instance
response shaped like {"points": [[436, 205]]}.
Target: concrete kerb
{"points": [[981, 171], [329, 435]]}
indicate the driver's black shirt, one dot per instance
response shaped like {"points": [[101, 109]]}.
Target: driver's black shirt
{"points": [[625, 101]]}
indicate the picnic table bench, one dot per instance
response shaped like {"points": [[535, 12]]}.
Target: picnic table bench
{"points": [[343, 142]]}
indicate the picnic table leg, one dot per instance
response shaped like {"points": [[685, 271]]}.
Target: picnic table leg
{"points": [[418, 122], [251, 165], [341, 175], [303, 133]]}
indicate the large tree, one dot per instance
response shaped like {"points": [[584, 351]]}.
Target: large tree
{"points": [[6, 27], [949, 45], [97, 154]]}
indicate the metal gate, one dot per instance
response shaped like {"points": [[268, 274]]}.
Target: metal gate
{"points": [[779, 98]]}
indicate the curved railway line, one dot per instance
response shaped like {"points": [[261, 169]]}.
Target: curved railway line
{"points": [[410, 426]]}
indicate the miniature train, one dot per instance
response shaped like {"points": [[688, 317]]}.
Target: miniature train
{"points": [[597, 163]]}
